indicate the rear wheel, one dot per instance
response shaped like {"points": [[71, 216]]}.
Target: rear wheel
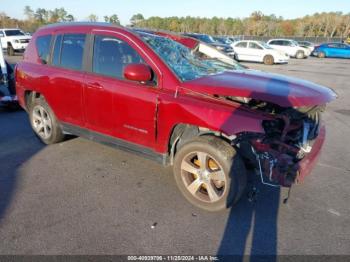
{"points": [[321, 55], [300, 55], [209, 173], [10, 50], [268, 60], [44, 122]]}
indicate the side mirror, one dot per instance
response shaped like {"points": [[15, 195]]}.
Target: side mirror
{"points": [[138, 72], [1, 34]]}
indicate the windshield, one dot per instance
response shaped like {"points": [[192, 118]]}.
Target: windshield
{"points": [[13, 32], [205, 38], [295, 42], [266, 46], [184, 62]]}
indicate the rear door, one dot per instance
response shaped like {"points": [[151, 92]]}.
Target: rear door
{"points": [[241, 50], [66, 77], [256, 52], [114, 105]]}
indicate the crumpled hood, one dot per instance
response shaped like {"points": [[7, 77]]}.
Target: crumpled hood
{"points": [[278, 89]]}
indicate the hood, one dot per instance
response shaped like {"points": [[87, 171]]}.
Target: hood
{"points": [[19, 37], [277, 89]]}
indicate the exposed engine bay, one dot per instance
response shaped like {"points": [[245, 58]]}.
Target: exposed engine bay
{"points": [[288, 138]]}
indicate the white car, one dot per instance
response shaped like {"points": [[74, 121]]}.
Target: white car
{"points": [[291, 47], [13, 40], [257, 51]]}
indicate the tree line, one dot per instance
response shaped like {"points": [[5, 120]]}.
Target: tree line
{"points": [[326, 24], [331, 24]]}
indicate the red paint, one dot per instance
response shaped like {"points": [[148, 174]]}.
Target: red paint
{"points": [[138, 72], [281, 90]]}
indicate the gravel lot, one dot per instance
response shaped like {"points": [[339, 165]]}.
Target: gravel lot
{"points": [[80, 197]]}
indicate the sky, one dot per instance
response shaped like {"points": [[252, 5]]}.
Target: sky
{"points": [[81, 9]]}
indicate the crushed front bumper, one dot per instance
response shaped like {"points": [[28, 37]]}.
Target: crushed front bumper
{"points": [[280, 169], [306, 165]]}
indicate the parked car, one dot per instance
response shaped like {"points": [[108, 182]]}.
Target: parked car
{"points": [[151, 95], [198, 48], [307, 44], [210, 40], [339, 50], [7, 84], [13, 40], [256, 51], [291, 47], [226, 40]]}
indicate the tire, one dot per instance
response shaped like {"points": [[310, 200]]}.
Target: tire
{"points": [[10, 50], [321, 55], [236, 58], [300, 55], [44, 122], [222, 162], [268, 60]]}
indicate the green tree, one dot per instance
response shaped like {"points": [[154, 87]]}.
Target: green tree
{"points": [[136, 19], [113, 19], [92, 18]]}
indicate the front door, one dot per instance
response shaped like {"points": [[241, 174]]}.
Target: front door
{"points": [[114, 105]]}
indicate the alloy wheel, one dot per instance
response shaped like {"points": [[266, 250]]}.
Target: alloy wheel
{"points": [[41, 122], [203, 177]]}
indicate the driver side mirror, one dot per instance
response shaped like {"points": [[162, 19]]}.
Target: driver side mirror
{"points": [[1, 34], [138, 72]]}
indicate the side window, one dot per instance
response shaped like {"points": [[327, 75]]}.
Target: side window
{"points": [[43, 48], [242, 45], [111, 55], [72, 51], [57, 51], [254, 45]]}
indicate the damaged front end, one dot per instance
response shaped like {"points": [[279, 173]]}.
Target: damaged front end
{"points": [[288, 149]]}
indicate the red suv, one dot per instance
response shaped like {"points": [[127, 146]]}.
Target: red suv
{"points": [[150, 94]]}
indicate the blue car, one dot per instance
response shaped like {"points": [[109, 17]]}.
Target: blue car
{"points": [[332, 50]]}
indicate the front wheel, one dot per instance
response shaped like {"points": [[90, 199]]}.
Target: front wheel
{"points": [[300, 55], [10, 50], [321, 55], [44, 122], [209, 173]]}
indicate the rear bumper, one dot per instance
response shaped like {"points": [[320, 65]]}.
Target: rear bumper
{"points": [[306, 165]]}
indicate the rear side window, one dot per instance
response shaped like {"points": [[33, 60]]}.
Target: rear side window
{"points": [[69, 50], [43, 48], [242, 45], [57, 51], [111, 55], [72, 51]]}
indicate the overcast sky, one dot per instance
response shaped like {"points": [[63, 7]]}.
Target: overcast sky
{"points": [[204, 8]]}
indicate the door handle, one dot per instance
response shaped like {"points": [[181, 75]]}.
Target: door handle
{"points": [[94, 85]]}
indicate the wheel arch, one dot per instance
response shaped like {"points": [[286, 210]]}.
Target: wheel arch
{"points": [[29, 97], [181, 133]]}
